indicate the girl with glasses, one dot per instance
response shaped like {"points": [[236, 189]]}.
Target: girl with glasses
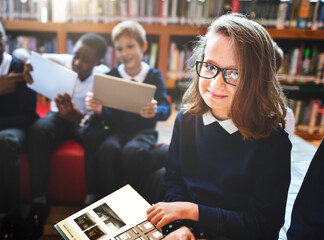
{"points": [[228, 166]]}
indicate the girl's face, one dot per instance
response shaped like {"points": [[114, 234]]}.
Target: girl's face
{"points": [[217, 94], [84, 60], [130, 53]]}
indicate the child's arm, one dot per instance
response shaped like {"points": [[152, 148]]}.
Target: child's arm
{"points": [[9, 81], [163, 109], [149, 111], [164, 213], [93, 104]]}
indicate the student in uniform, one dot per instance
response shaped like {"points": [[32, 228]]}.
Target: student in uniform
{"points": [[228, 166], [154, 189], [123, 154], [17, 112], [60, 124]]}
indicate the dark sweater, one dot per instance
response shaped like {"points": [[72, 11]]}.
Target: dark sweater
{"points": [[18, 109], [240, 186], [307, 218], [126, 122]]}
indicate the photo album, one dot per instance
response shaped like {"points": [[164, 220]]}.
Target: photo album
{"points": [[120, 215]]}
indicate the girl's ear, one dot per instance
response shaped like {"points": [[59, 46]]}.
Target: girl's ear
{"points": [[144, 47]]}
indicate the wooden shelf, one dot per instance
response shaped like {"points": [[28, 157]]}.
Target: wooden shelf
{"points": [[164, 32], [308, 136]]}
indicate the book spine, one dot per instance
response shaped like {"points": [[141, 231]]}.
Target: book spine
{"points": [[235, 6], [313, 115], [304, 10]]}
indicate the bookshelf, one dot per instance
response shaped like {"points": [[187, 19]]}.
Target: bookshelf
{"points": [[164, 34]]}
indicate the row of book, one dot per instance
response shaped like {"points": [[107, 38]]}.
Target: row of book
{"points": [[302, 65], [178, 60], [32, 43], [309, 115], [275, 13], [49, 45]]}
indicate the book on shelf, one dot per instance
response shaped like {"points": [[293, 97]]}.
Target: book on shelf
{"points": [[281, 15], [294, 13], [304, 10], [60, 11], [313, 119], [120, 215], [153, 54], [320, 21], [320, 69], [308, 115]]}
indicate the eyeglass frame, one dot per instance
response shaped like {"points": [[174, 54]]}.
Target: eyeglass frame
{"points": [[219, 69]]}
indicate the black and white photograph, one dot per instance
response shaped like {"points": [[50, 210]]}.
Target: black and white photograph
{"points": [[95, 233], [85, 221], [109, 217]]}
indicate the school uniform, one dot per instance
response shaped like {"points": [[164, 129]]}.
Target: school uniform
{"points": [[51, 130], [17, 112], [240, 186], [124, 153], [307, 219]]}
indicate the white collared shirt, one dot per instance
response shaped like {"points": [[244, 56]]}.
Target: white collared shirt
{"points": [[5, 64], [228, 125], [139, 77]]}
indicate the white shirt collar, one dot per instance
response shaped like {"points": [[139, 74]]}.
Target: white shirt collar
{"points": [[228, 125], [5, 65], [139, 77]]}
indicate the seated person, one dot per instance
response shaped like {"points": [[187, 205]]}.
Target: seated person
{"points": [[123, 152], [17, 112], [60, 124], [307, 220], [228, 166]]}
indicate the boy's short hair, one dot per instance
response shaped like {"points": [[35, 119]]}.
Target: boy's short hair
{"points": [[96, 41], [131, 29]]}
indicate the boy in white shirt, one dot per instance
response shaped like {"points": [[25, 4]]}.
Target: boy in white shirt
{"points": [[60, 124]]}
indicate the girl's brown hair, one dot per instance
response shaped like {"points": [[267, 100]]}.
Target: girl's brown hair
{"points": [[259, 104]]}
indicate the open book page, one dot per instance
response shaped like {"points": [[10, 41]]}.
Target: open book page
{"points": [[119, 216]]}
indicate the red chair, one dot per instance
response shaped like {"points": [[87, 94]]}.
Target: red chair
{"points": [[66, 180]]}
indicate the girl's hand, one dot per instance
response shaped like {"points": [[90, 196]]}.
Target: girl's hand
{"points": [[149, 111], [182, 233], [164, 213], [92, 104], [67, 109]]}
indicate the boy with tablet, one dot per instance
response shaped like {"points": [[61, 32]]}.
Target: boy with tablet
{"points": [[123, 152]]}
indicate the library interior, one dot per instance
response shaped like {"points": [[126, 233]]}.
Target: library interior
{"points": [[172, 29]]}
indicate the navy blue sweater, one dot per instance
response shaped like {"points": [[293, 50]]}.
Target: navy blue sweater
{"points": [[307, 218], [240, 186], [18, 109], [126, 122]]}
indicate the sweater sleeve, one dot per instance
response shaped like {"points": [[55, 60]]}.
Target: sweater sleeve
{"points": [[163, 108], [175, 186], [18, 109], [266, 208]]}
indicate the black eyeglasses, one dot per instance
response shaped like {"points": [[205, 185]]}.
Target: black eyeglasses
{"points": [[210, 71]]}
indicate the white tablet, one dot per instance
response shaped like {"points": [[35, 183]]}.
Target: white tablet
{"points": [[51, 78], [122, 94]]}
